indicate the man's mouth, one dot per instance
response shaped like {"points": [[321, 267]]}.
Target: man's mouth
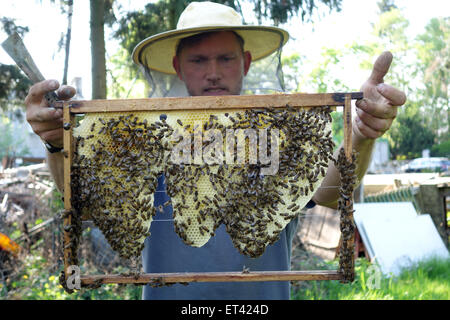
{"points": [[215, 91]]}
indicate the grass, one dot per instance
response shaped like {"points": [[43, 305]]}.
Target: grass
{"points": [[426, 280], [36, 278], [35, 281]]}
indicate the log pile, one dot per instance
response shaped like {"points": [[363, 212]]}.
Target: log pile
{"points": [[26, 196]]}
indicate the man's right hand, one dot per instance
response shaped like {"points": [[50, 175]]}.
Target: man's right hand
{"points": [[47, 122]]}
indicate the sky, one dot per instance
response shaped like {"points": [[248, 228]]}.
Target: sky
{"points": [[47, 24]]}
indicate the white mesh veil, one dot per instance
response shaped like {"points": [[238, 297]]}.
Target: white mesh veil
{"points": [[264, 77]]}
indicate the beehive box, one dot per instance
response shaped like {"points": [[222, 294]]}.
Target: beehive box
{"points": [[118, 150]]}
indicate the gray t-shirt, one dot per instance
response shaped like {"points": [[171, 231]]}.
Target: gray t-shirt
{"points": [[165, 252]]}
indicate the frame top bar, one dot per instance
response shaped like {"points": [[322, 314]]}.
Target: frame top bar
{"points": [[305, 100]]}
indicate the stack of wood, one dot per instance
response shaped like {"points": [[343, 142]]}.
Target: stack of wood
{"points": [[25, 195]]}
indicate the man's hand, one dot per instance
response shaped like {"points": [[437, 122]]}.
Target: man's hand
{"points": [[376, 112], [47, 122]]}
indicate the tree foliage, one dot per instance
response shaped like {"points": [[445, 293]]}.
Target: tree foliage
{"points": [[421, 68], [11, 141], [386, 6], [433, 52], [281, 11], [9, 26], [409, 135], [163, 15], [68, 38], [98, 51], [323, 77], [441, 150], [14, 84]]}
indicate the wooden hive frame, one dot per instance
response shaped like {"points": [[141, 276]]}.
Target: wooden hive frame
{"points": [[72, 108]]}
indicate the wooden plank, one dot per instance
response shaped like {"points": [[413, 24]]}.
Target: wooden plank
{"points": [[186, 277], [347, 117], [432, 201], [68, 155], [305, 100]]}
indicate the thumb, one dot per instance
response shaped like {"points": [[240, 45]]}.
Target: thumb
{"points": [[381, 67]]}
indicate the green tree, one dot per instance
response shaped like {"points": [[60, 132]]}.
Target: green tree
{"points": [[68, 38], [409, 135], [291, 69], [441, 150], [433, 52], [386, 6], [14, 87], [9, 26], [325, 77], [14, 84], [420, 68], [389, 33], [281, 11], [163, 15], [11, 141], [408, 71], [98, 10]]}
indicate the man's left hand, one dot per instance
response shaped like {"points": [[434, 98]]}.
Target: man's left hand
{"points": [[376, 112]]}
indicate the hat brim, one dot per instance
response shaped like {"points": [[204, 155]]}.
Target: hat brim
{"points": [[156, 52]]}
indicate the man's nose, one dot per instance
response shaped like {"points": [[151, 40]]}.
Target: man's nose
{"points": [[213, 71]]}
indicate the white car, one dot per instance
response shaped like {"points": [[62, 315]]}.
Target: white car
{"points": [[432, 164]]}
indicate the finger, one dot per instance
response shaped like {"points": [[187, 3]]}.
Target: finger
{"points": [[377, 109], [393, 95], [363, 129], [381, 67], [42, 114], [41, 127], [38, 90], [66, 92], [377, 124]]}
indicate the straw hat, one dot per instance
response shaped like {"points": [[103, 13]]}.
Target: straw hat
{"points": [[156, 52]]}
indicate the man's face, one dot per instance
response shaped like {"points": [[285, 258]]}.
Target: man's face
{"points": [[213, 66]]}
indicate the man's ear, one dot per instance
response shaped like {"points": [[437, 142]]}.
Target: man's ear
{"points": [[247, 61], [176, 66]]}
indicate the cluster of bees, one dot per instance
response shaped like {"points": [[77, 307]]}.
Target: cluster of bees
{"points": [[345, 208], [119, 156], [116, 164]]}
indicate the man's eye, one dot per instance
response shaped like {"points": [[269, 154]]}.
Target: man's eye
{"points": [[226, 59], [199, 60]]}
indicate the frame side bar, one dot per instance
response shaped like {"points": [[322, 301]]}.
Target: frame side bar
{"points": [[68, 154], [348, 126], [348, 243]]}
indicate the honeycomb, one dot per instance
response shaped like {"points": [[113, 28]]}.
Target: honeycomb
{"points": [[252, 170], [116, 164]]}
